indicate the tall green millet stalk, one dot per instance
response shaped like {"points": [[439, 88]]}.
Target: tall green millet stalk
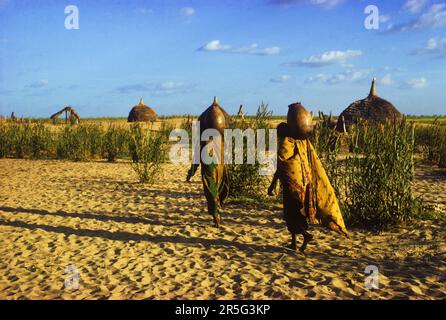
{"points": [[28, 140], [41, 142], [115, 143], [442, 160], [21, 137], [149, 153], [135, 136], [79, 143], [379, 176], [430, 141], [245, 182], [5, 141]]}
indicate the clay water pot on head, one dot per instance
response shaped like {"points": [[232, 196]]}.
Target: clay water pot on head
{"points": [[213, 118], [300, 121]]}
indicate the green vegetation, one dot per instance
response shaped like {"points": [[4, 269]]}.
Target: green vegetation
{"points": [[244, 179], [373, 182], [83, 142], [115, 143], [435, 119], [149, 153], [31, 141], [430, 142], [79, 143], [379, 175]]}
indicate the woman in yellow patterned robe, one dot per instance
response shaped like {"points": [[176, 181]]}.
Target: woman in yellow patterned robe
{"points": [[307, 192]]}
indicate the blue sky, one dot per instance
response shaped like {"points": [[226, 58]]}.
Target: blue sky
{"points": [[178, 54]]}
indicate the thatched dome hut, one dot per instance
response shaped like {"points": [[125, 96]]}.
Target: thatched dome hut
{"points": [[372, 108], [141, 113]]}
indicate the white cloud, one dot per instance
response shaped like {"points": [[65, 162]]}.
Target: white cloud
{"points": [[384, 18], [326, 58], [164, 88], [38, 84], [281, 79], [434, 46], [216, 45], [434, 17], [187, 11], [386, 80], [434, 43], [416, 83], [170, 87], [414, 6], [322, 3], [395, 69], [351, 75], [143, 11]]}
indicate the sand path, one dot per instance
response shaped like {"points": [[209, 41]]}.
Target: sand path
{"points": [[130, 241]]}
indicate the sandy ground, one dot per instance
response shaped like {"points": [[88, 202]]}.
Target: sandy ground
{"points": [[431, 186], [129, 241]]}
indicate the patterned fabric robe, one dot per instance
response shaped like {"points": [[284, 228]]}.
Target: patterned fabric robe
{"points": [[215, 181], [307, 191]]}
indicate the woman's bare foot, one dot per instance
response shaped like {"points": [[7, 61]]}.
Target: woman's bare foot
{"points": [[217, 221], [293, 245], [307, 238]]}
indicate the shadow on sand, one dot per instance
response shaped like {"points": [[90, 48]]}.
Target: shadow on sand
{"points": [[127, 236]]}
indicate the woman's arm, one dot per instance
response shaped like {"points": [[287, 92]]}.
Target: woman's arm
{"points": [[272, 187]]}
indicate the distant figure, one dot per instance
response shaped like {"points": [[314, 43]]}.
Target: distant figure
{"points": [[241, 113], [13, 117], [307, 192], [214, 176]]}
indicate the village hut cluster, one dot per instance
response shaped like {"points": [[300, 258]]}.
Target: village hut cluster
{"points": [[139, 113], [372, 108]]}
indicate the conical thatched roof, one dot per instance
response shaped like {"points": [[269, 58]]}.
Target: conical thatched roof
{"points": [[141, 113], [372, 108]]}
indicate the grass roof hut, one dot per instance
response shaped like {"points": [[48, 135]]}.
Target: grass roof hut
{"points": [[372, 108], [141, 113]]}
